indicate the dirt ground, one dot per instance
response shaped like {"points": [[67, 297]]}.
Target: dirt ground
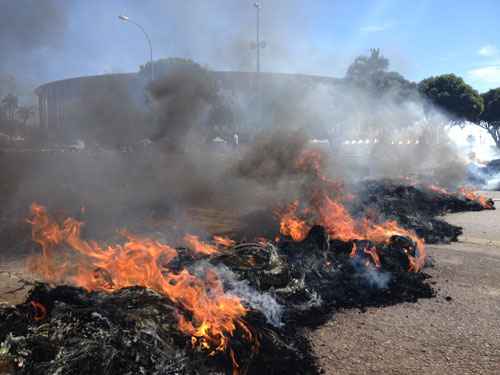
{"points": [[458, 332]]}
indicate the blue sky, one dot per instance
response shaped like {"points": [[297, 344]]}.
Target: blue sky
{"points": [[420, 37]]}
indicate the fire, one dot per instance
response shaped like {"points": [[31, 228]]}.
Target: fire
{"points": [[206, 313], [371, 251], [324, 207], [438, 189], [467, 194], [199, 246], [341, 225], [471, 195], [224, 241], [291, 225]]}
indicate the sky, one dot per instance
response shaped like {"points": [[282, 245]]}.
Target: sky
{"points": [[56, 39]]}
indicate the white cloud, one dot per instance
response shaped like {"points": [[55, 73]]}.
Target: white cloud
{"points": [[373, 28], [488, 75], [488, 50]]}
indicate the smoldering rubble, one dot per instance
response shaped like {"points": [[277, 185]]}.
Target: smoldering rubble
{"points": [[286, 286]]}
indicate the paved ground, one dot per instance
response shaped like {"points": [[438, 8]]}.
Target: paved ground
{"points": [[456, 333]]}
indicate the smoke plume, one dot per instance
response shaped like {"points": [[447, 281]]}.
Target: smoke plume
{"points": [[30, 31]]}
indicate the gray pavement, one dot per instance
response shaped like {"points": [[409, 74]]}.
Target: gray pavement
{"points": [[458, 332]]}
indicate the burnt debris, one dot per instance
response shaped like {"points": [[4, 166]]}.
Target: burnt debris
{"points": [[415, 206], [286, 286], [67, 330]]}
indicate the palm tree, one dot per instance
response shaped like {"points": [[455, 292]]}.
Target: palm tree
{"points": [[24, 114], [10, 103]]}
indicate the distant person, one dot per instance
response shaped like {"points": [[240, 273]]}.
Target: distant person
{"points": [[236, 139]]}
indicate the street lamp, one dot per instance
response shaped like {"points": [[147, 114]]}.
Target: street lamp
{"points": [[127, 19], [257, 8], [258, 44]]}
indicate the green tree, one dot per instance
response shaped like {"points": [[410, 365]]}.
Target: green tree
{"points": [[450, 93], [490, 118]]}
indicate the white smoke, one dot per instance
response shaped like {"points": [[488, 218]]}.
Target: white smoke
{"points": [[263, 302], [478, 149], [376, 278], [369, 273]]}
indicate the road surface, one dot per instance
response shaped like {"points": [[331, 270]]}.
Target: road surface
{"points": [[458, 332]]}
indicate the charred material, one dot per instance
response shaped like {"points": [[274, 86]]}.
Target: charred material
{"points": [[327, 275], [415, 206], [131, 331], [282, 288], [67, 330]]}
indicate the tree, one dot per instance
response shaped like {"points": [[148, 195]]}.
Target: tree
{"points": [[7, 84], [490, 118], [450, 93], [491, 101], [24, 114], [370, 73], [395, 83], [10, 103], [364, 68]]}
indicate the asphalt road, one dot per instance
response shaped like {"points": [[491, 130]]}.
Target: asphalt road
{"points": [[458, 332]]}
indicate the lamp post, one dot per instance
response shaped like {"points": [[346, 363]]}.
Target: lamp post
{"points": [[127, 19], [257, 45]]}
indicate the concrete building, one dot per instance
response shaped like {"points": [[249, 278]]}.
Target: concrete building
{"points": [[71, 106]]}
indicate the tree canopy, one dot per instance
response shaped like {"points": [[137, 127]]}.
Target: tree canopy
{"points": [[491, 101], [365, 68], [370, 73], [490, 118], [450, 93]]}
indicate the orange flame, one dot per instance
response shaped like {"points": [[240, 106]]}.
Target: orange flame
{"points": [[372, 252], [467, 194], [471, 195], [438, 189], [291, 225], [199, 246], [325, 208], [206, 313], [224, 241]]}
